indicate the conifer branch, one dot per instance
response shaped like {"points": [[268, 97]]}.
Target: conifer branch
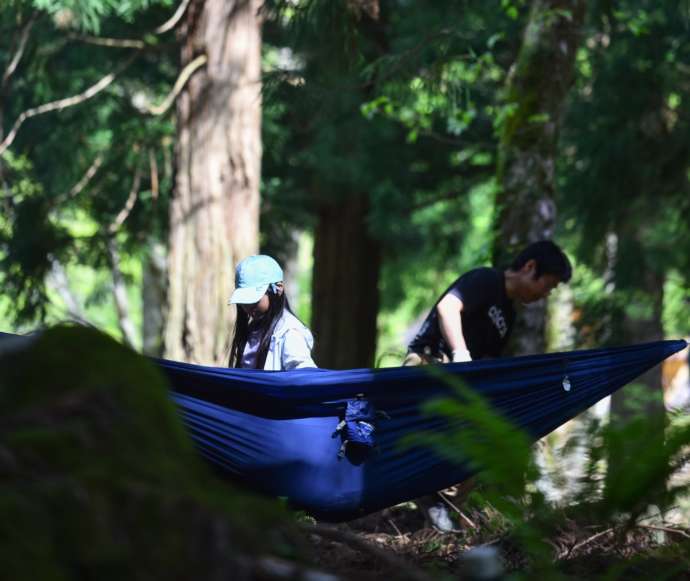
{"points": [[92, 91], [136, 43], [14, 63], [153, 172], [139, 45], [181, 81], [61, 104], [86, 178], [120, 295], [119, 287], [110, 42], [174, 19], [123, 214], [59, 280]]}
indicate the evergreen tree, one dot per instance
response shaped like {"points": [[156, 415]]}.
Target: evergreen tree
{"points": [[215, 210], [536, 90], [624, 162], [390, 117], [86, 149]]}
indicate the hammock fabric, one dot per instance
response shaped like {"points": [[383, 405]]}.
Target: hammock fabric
{"points": [[277, 432]]}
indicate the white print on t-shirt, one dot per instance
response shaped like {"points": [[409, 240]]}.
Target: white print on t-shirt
{"points": [[499, 321]]}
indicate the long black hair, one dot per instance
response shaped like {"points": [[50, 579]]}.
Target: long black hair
{"points": [[277, 305]]}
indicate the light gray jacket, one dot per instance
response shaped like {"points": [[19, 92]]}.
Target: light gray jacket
{"points": [[291, 345]]}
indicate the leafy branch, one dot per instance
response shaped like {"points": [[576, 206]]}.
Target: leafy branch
{"points": [[19, 53], [61, 104], [105, 81]]}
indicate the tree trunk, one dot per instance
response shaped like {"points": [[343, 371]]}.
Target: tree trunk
{"points": [[153, 300], [124, 321], [347, 262], [214, 219], [535, 93], [643, 323], [291, 271], [645, 397]]}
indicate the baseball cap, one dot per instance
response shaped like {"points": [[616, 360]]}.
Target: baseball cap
{"points": [[252, 278]]}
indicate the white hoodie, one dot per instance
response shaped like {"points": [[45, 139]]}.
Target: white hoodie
{"points": [[290, 346]]}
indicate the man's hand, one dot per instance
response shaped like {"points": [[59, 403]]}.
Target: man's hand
{"points": [[461, 355]]}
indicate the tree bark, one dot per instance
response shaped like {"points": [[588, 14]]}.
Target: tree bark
{"points": [[345, 300], [640, 326], [214, 218], [535, 93], [645, 398], [153, 300], [58, 279], [120, 299]]}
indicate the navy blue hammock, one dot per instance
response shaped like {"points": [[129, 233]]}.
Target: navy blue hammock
{"points": [[285, 433]]}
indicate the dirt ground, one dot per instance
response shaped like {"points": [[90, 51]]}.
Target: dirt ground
{"points": [[397, 543]]}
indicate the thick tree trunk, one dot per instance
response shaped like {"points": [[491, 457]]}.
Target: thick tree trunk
{"points": [[536, 90], [347, 261], [215, 210]]}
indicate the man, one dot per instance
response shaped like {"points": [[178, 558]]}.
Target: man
{"points": [[474, 317]]}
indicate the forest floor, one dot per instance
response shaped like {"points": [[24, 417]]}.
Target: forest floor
{"points": [[398, 543]]}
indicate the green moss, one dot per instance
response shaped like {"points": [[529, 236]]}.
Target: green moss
{"points": [[99, 478]]}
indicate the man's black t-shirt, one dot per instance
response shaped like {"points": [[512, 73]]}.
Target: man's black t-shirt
{"points": [[487, 316]]}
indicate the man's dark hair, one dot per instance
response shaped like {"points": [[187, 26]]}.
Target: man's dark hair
{"points": [[549, 257]]}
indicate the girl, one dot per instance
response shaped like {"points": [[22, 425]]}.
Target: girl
{"points": [[267, 334]]}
